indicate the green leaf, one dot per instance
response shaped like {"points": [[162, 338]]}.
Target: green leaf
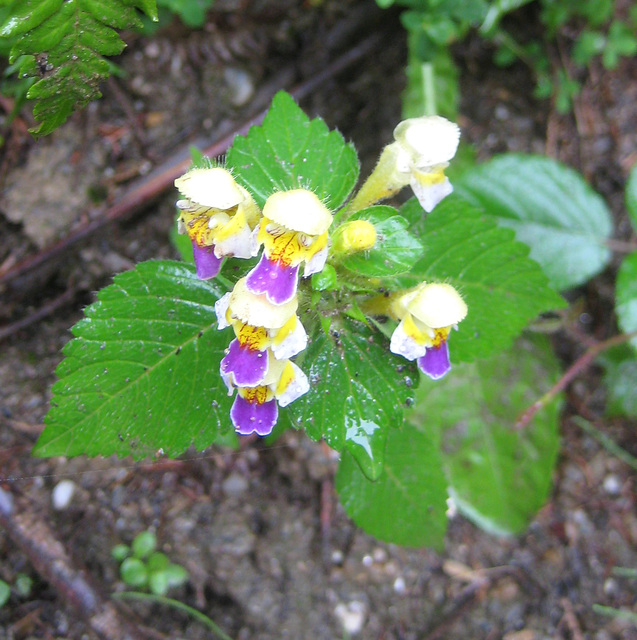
{"points": [[120, 551], [396, 249], [502, 287], [407, 503], [70, 38], [158, 583], [550, 207], [157, 561], [290, 151], [498, 476], [144, 544], [631, 196], [5, 593], [133, 572], [626, 296], [176, 575], [142, 373], [357, 392], [620, 379]]}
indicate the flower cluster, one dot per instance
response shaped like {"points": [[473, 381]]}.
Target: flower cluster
{"points": [[222, 220]]}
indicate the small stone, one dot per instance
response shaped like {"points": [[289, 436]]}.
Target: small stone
{"points": [[379, 554], [351, 615], [399, 585], [612, 484], [240, 84], [235, 485], [337, 557], [62, 494]]}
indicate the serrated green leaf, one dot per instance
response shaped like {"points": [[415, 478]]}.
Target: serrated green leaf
{"points": [[550, 207], [142, 373], [74, 35], [631, 196], [396, 249], [357, 392], [499, 476], [290, 151], [502, 287], [407, 503], [626, 296]]}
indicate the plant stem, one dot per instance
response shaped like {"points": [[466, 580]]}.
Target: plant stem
{"points": [[429, 88], [622, 614], [620, 246], [175, 604], [574, 370]]}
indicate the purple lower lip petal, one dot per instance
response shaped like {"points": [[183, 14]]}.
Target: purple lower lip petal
{"points": [[247, 366], [277, 281], [435, 363], [206, 262], [251, 417]]}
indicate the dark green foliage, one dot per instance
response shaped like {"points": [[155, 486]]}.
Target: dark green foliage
{"points": [[63, 43]]}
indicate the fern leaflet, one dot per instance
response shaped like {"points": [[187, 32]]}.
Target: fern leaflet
{"points": [[63, 42]]}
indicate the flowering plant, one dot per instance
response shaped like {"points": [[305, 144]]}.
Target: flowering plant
{"points": [[314, 305]]}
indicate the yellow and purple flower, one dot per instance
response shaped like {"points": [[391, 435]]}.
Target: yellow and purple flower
{"points": [[218, 215], [427, 314], [255, 408], [261, 329], [293, 230]]}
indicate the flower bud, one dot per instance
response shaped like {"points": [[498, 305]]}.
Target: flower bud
{"points": [[353, 237]]}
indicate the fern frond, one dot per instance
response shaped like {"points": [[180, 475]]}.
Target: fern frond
{"points": [[64, 43]]}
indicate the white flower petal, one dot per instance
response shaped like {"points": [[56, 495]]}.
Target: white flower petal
{"points": [[293, 344], [438, 305], [213, 187], [404, 345], [221, 307], [431, 140], [239, 245], [429, 195], [316, 262], [298, 210], [297, 387]]}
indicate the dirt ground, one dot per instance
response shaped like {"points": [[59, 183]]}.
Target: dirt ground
{"points": [[270, 552]]}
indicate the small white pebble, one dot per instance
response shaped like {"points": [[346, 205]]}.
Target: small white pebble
{"points": [[612, 484], [611, 587], [351, 615], [62, 494], [368, 561], [399, 585], [337, 556], [240, 84]]}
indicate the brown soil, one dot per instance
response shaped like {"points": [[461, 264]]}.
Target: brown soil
{"points": [[270, 552]]}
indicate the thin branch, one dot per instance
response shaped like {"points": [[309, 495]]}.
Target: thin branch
{"points": [[584, 361], [42, 312]]}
